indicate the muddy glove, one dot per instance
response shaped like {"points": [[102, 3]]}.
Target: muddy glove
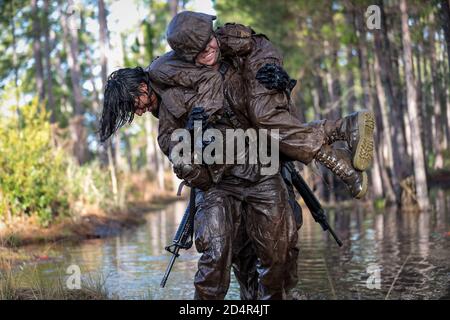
{"points": [[273, 76], [197, 114], [194, 175]]}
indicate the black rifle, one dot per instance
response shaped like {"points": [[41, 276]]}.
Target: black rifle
{"points": [[311, 201], [183, 236]]}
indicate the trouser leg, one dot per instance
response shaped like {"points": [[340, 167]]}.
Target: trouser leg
{"points": [[296, 209], [291, 274], [245, 260], [272, 228], [213, 226]]}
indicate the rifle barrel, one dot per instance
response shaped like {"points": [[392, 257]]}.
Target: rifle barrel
{"points": [[311, 201], [169, 268], [339, 242]]}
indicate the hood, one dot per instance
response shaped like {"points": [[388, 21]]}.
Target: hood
{"points": [[167, 71], [189, 32]]}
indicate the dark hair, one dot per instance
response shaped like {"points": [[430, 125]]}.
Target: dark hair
{"points": [[121, 91]]}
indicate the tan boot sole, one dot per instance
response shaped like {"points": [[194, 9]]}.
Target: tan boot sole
{"points": [[364, 150], [365, 184]]}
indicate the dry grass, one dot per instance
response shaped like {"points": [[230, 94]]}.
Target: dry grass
{"points": [[17, 285]]}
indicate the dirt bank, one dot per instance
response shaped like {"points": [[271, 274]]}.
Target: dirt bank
{"points": [[95, 224]]}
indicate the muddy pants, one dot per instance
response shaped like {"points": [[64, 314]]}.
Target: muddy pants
{"points": [[236, 219]]}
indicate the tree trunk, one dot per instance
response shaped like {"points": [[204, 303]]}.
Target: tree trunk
{"points": [[128, 152], [14, 57], [121, 164], [333, 84], [427, 108], [154, 164], [445, 71], [173, 7], [389, 103], [376, 182], [77, 129], [112, 171], [37, 51], [350, 83], [319, 99], [104, 42], [350, 77], [386, 124], [160, 168], [369, 104], [384, 148], [113, 154], [390, 63], [71, 34], [444, 13], [48, 66], [416, 62], [438, 102], [173, 11], [413, 113], [447, 82], [150, 147]]}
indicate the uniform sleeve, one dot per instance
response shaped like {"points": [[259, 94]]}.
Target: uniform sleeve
{"points": [[272, 109], [168, 123], [204, 81]]}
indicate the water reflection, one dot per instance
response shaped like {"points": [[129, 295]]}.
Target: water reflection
{"points": [[410, 249]]}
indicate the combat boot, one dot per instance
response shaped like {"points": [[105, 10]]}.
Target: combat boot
{"points": [[339, 162], [357, 129]]}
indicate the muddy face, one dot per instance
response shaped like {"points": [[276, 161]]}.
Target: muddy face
{"points": [[145, 102], [209, 56]]}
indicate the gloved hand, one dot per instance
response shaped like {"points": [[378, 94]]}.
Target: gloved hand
{"points": [[194, 175], [273, 76], [197, 114]]}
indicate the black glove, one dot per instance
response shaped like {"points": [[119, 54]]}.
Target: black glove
{"points": [[273, 76], [194, 175], [197, 114]]}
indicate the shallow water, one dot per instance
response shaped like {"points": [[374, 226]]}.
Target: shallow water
{"points": [[408, 252]]}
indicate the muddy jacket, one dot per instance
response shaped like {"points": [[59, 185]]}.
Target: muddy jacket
{"points": [[247, 52], [177, 102], [169, 72], [244, 208], [271, 109]]}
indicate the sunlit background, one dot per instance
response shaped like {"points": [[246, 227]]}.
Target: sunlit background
{"points": [[56, 56]]}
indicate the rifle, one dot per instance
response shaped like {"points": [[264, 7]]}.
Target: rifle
{"points": [[311, 201], [183, 236]]}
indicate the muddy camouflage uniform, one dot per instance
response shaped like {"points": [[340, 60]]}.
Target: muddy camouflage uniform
{"points": [[241, 212], [246, 52], [244, 213]]}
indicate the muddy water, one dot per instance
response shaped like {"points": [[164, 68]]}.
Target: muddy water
{"points": [[386, 255]]}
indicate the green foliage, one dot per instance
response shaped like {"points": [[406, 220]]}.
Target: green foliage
{"points": [[32, 174], [88, 185], [39, 178]]}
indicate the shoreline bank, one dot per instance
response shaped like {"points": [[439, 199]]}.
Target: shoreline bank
{"points": [[93, 225]]}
